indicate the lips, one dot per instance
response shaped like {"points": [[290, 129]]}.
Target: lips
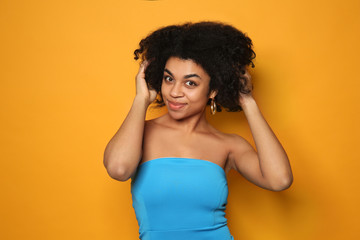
{"points": [[176, 105]]}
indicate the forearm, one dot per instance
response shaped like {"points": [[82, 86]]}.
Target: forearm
{"points": [[274, 163], [123, 152]]}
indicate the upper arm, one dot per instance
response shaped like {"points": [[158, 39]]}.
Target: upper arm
{"points": [[244, 159]]}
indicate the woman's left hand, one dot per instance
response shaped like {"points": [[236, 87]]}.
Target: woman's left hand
{"points": [[245, 97]]}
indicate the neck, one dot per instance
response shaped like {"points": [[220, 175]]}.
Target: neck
{"points": [[194, 123]]}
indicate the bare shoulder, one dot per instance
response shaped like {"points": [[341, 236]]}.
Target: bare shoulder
{"points": [[153, 128], [156, 122], [237, 141], [237, 147], [231, 139], [152, 123]]}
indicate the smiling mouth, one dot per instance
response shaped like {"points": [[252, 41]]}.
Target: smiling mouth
{"points": [[176, 106]]}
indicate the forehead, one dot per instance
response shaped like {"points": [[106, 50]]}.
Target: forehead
{"points": [[184, 66]]}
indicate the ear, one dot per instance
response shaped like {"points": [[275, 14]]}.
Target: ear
{"points": [[213, 93]]}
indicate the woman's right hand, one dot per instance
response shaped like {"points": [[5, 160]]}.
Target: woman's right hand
{"points": [[142, 89]]}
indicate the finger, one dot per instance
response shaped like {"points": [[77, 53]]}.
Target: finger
{"points": [[142, 69], [144, 64]]}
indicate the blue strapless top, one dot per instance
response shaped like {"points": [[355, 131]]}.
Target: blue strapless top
{"points": [[180, 199]]}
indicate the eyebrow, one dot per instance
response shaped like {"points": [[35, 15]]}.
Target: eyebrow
{"points": [[186, 76]]}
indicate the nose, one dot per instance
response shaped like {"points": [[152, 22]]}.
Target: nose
{"points": [[176, 91]]}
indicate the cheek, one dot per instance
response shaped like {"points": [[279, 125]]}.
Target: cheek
{"points": [[198, 96], [163, 88]]}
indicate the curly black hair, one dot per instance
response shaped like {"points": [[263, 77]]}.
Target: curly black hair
{"points": [[222, 50]]}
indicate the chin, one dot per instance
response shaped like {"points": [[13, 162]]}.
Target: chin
{"points": [[176, 115], [181, 115]]}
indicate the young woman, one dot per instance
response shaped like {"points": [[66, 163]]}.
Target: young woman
{"points": [[178, 162]]}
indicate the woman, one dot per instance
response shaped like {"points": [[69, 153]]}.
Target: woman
{"points": [[178, 162]]}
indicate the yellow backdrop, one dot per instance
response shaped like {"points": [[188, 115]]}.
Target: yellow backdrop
{"points": [[67, 82]]}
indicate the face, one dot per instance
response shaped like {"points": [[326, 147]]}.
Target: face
{"points": [[185, 88]]}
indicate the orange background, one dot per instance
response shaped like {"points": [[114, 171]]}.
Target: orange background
{"points": [[67, 82]]}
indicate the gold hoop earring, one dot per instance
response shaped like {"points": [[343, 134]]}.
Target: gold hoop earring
{"points": [[213, 107]]}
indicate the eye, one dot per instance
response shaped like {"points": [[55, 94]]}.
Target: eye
{"points": [[167, 78], [191, 83]]}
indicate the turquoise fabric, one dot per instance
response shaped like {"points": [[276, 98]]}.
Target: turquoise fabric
{"points": [[180, 199]]}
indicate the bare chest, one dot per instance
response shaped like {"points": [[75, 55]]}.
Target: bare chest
{"points": [[158, 143]]}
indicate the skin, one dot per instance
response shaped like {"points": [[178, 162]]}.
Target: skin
{"points": [[185, 132]]}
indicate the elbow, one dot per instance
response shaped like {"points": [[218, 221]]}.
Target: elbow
{"points": [[117, 173], [283, 185]]}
